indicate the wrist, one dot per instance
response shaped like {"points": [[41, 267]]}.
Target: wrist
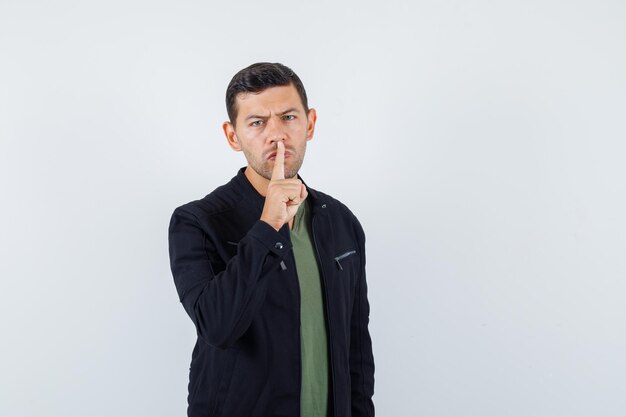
{"points": [[275, 225]]}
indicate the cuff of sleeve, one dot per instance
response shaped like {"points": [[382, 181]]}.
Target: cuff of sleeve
{"points": [[278, 243]]}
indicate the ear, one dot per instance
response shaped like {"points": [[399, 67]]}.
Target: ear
{"points": [[231, 136], [310, 128]]}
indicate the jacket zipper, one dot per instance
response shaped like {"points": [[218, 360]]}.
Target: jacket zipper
{"points": [[340, 257], [330, 333], [284, 267]]}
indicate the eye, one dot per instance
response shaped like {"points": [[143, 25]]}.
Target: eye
{"points": [[289, 117], [256, 123]]}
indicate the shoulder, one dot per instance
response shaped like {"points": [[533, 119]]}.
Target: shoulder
{"points": [[223, 198], [338, 211]]}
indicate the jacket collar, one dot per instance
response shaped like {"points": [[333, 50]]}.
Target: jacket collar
{"points": [[318, 202]]}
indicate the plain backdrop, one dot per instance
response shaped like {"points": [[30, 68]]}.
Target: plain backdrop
{"points": [[480, 143]]}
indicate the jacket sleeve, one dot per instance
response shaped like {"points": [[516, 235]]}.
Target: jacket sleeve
{"points": [[361, 356], [222, 305]]}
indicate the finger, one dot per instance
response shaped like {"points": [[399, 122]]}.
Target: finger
{"points": [[278, 173], [303, 193], [295, 196], [294, 201], [287, 190]]}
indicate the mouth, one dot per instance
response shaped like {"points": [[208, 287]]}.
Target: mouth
{"points": [[272, 156]]}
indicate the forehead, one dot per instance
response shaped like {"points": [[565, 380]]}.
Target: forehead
{"points": [[270, 100]]}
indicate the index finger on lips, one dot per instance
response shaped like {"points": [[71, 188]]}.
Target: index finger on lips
{"points": [[278, 173]]}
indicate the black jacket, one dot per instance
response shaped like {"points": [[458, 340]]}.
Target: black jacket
{"points": [[236, 278]]}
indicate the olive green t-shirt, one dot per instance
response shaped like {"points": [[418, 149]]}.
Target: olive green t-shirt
{"points": [[314, 394]]}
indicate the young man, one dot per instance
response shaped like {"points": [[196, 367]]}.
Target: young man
{"points": [[272, 272]]}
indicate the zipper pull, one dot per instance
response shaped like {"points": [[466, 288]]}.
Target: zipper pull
{"points": [[340, 257]]}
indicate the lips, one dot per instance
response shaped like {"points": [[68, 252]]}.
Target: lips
{"points": [[272, 156]]}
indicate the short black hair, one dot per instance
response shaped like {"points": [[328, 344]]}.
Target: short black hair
{"points": [[258, 77]]}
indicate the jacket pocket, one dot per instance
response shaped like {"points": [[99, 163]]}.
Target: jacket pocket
{"points": [[340, 258]]}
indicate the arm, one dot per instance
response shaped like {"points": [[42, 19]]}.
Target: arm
{"points": [[361, 356], [222, 305]]}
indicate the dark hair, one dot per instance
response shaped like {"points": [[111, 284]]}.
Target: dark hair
{"points": [[256, 78]]}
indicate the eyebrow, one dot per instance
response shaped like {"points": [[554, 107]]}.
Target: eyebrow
{"points": [[256, 116]]}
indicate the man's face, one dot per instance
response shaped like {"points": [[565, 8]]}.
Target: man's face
{"points": [[263, 119]]}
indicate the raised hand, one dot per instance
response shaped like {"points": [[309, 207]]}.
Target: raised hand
{"points": [[284, 196]]}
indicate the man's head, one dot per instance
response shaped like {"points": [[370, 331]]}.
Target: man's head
{"points": [[267, 103], [258, 77]]}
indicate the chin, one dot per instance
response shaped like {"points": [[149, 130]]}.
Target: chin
{"points": [[291, 174]]}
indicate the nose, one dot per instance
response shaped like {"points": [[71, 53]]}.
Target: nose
{"points": [[274, 131]]}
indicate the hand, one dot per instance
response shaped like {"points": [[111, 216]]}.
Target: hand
{"points": [[284, 196]]}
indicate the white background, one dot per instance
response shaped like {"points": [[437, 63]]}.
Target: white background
{"points": [[481, 144]]}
